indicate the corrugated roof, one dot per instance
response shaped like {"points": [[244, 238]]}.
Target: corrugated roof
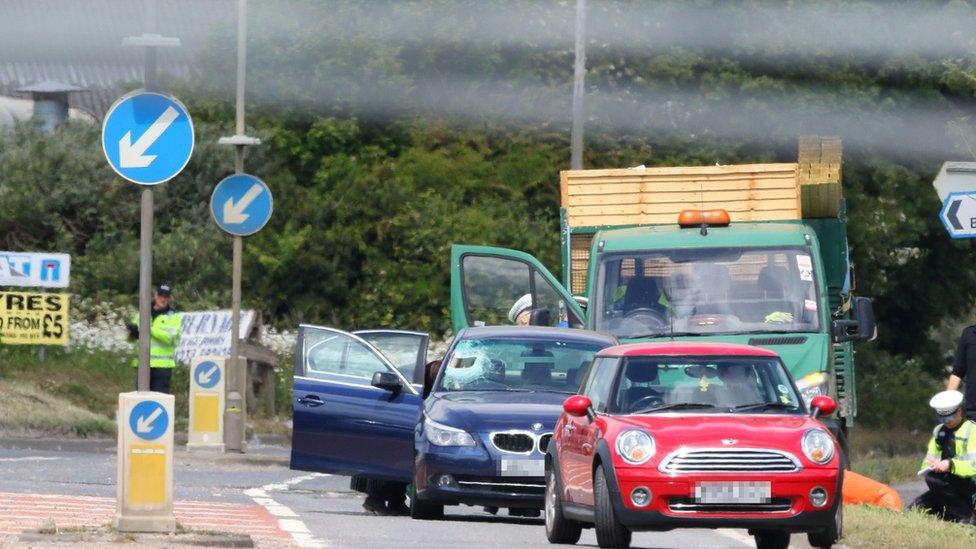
{"points": [[80, 43]]}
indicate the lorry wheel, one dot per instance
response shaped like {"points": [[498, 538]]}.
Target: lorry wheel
{"points": [[828, 537], [559, 529], [772, 539], [422, 510], [609, 531]]}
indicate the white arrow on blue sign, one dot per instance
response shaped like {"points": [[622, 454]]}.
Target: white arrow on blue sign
{"points": [[959, 215], [148, 420], [207, 374], [241, 204], [147, 137]]}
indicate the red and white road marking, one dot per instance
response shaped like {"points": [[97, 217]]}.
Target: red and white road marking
{"points": [[287, 519], [19, 512]]}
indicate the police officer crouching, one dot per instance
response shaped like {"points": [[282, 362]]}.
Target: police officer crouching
{"points": [[951, 462]]}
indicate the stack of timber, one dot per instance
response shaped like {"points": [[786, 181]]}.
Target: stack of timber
{"points": [[820, 171]]}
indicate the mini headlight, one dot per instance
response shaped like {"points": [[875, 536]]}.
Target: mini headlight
{"points": [[635, 446], [818, 446], [442, 435], [812, 385]]}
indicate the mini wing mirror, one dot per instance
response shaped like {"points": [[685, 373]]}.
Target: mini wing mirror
{"points": [[578, 406], [862, 328], [822, 405], [388, 381]]}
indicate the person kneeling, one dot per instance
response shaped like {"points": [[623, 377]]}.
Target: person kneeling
{"points": [[950, 462]]}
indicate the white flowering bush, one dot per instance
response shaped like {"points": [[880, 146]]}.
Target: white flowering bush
{"points": [[100, 327]]}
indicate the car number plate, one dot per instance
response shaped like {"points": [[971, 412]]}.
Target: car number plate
{"points": [[522, 468], [733, 492]]}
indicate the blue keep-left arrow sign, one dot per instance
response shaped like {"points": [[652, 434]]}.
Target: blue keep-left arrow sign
{"points": [[958, 214], [207, 374], [147, 137], [148, 420], [241, 204]]}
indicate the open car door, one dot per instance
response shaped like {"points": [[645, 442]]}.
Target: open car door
{"points": [[486, 282], [406, 350], [354, 412]]}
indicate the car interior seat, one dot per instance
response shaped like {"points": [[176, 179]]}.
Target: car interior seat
{"points": [[537, 372], [644, 373], [714, 282]]}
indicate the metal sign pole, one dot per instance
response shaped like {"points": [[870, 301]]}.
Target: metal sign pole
{"points": [[146, 227], [579, 75]]}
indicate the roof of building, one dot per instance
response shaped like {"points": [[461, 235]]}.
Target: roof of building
{"points": [[80, 43]]}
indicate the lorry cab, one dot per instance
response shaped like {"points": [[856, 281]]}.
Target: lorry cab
{"points": [[747, 254]]}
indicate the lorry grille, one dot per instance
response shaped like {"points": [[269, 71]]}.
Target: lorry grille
{"points": [[513, 442], [724, 459], [789, 340], [774, 505]]}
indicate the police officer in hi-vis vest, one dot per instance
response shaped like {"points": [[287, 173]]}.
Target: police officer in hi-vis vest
{"points": [[164, 338]]}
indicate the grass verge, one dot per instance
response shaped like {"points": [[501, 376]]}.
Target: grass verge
{"points": [[891, 470], [25, 409], [867, 526]]}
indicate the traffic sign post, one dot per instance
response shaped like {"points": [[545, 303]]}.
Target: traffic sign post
{"points": [[144, 496], [206, 428], [958, 214]]}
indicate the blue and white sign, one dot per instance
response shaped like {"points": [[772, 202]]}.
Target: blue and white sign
{"points": [[36, 270], [148, 420], [207, 374], [147, 137], [959, 214], [241, 204]]}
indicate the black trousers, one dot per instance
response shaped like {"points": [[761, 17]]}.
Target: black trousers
{"points": [[948, 496], [159, 380], [385, 490]]}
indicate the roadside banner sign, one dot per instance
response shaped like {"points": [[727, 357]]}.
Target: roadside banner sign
{"points": [[34, 270], [33, 318], [207, 333], [147, 137], [959, 214], [955, 177], [241, 204]]}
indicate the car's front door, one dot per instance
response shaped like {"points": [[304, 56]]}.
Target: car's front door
{"points": [[486, 282], [342, 423], [406, 350]]}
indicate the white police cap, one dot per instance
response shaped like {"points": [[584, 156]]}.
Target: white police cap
{"points": [[521, 304], [946, 402]]}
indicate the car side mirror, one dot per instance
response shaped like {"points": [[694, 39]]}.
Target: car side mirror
{"points": [[582, 301], [540, 317], [822, 405], [578, 406], [388, 381], [862, 328]]}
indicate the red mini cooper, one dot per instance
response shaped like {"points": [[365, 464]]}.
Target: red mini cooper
{"points": [[681, 435]]}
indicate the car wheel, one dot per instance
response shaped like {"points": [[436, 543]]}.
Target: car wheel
{"points": [[422, 510], [609, 531], [772, 539], [559, 529], [828, 537]]}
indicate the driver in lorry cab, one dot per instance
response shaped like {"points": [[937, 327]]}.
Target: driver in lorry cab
{"points": [[642, 292]]}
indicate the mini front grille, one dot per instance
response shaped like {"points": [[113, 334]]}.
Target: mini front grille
{"points": [[723, 459], [774, 505], [513, 442], [544, 443]]}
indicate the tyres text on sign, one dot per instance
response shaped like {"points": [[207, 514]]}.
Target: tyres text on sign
{"points": [[33, 318]]}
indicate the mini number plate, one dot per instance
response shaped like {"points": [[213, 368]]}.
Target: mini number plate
{"points": [[732, 492], [521, 467]]}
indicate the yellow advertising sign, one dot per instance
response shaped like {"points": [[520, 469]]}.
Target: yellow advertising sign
{"points": [[28, 318]]}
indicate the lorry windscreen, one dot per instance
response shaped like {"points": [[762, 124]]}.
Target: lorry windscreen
{"points": [[707, 291]]}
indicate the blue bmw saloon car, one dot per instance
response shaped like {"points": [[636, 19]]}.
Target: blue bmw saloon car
{"points": [[478, 438]]}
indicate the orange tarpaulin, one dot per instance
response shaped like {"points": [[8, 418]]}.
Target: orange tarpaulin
{"points": [[861, 490]]}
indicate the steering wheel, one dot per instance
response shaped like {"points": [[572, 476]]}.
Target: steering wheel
{"points": [[650, 401], [647, 312]]}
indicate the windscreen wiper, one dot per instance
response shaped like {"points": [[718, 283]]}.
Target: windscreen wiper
{"points": [[763, 406], [677, 406]]}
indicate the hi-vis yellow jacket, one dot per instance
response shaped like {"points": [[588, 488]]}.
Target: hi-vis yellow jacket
{"points": [[165, 337], [964, 462]]}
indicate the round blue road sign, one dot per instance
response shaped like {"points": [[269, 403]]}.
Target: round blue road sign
{"points": [[206, 374], [148, 420], [147, 137], [241, 204]]}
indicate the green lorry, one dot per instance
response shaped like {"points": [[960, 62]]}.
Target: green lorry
{"points": [[759, 257]]}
